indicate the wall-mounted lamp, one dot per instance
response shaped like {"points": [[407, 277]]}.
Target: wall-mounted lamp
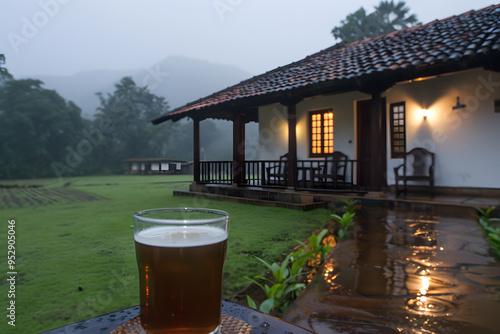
{"points": [[425, 112], [458, 105]]}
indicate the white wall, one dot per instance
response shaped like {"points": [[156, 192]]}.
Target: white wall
{"points": [[273, 126], [343, 108], [273, 131], [466, 142]]}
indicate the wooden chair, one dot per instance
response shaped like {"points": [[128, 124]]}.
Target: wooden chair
{"points": [[278, 172], [333, 171], [418, 166]]}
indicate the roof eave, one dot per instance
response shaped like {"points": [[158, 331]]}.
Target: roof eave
{"points": [[377, 81]]}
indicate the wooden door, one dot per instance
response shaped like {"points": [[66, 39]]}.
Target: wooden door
{"points": [[371, 143]]}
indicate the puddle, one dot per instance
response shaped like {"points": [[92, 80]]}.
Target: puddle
{"points": [[405, 272]]}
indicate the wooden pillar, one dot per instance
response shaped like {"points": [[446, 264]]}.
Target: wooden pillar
{"points": [[238, 148], [378, 165], [292, 143], [196, 150]]}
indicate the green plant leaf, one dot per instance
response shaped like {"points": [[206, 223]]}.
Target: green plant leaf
{"points": [[494, 240], [284, 264], [277, 291], [286, 273], [349, 216], [294, 287], [264, 278], [251, 303], [294, 256], [255, 282], [264, 262], [313, 240], [298, 264], [489, 210], [495, 230], [296, 270], [284, 267], [278, 275], [300, 243], [336, 217], [321, 235], [267, 305], [481, 211]]}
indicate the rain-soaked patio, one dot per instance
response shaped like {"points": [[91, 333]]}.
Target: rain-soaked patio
{"points": [[406, 271]]}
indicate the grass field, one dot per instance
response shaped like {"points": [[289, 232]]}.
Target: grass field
{"points": [[75, 254]]}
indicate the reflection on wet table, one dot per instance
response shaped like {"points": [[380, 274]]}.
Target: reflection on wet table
{"points": [[405, 272]]}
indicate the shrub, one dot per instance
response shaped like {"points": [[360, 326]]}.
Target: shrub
{"points": [[285, 285], [492, 232]]}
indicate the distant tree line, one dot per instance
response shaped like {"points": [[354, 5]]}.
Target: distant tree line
{"points": [[35, 126], [43, 135]]}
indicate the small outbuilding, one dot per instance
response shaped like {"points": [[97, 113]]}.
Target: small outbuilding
{"points": [[159, 166]]}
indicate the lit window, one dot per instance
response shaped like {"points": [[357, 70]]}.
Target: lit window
{"points": [[321, 131], [398, 130]]}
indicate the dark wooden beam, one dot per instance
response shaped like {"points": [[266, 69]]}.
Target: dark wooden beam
{"points": [[292, 142], [196, 150], [238, 148]]}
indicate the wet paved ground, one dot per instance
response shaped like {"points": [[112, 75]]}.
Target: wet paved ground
{"points": [[405, 273], [463, 201]]}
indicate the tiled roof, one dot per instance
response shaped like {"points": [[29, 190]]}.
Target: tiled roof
{"points": [[458, 42]]}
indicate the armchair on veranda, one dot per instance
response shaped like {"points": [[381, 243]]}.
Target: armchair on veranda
{"points": [[418, 165], [278, 172], [333, 171]]}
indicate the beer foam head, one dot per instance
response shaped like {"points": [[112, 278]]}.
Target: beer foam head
{"points": [[180, 236]]}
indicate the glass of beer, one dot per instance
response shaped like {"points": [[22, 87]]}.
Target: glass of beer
{"points": [[180, 254]]}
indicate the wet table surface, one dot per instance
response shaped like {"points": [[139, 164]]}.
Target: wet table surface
{"points": [[235, 319]]}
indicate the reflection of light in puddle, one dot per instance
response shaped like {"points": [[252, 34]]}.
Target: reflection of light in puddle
{"points": [[429, 306], [329, 276], [423, 305]]}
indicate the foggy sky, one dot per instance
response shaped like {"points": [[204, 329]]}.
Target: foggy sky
{"points": [[64, 37]]}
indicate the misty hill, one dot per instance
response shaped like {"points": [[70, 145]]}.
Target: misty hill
{"points": [[179, 79]]}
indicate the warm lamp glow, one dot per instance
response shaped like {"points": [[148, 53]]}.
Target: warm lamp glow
{"points": [[425, 113]]}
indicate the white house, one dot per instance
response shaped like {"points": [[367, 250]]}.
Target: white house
{"points": [[435, 86]]}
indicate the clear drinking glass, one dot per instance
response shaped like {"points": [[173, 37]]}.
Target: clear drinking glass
{"points": [[180, 254]]}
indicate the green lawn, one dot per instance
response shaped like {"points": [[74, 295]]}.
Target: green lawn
{"points": [[75, 252]]}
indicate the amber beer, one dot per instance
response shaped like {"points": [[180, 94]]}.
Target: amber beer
{"points": [[180, 272]]}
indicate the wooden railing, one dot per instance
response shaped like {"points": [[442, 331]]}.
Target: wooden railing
{"points": [[217, 172], [266, 173], [310, 174]]}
